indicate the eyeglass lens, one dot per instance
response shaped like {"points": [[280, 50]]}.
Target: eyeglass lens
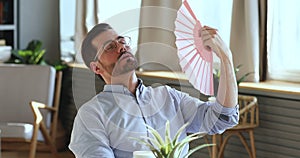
{"points": [[113, 44]]}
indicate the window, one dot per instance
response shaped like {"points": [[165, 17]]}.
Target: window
{"points": [[112, 12], [67, 29], [283, 38], [123, 16], [214, 13]]}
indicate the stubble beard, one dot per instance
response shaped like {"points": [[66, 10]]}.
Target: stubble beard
{"points": [[130, 65]]}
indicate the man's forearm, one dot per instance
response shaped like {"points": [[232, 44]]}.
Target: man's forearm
{"points": [[228, 90]]}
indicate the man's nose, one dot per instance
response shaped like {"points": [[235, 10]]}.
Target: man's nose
{"points": [[122, 48]]}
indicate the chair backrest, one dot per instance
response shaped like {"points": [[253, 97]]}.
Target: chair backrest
{"points": [[21, 84], [249, 113]]}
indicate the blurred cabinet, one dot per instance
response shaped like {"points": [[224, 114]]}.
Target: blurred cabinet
{"points": [[9, 22]]}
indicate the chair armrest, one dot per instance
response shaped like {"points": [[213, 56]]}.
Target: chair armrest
{"points": [[248, 107], [246, 103], [39, 124], [35, 108]]}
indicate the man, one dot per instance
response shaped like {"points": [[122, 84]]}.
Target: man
{"points": [[104, 125]]}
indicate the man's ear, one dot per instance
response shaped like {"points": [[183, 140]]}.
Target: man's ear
{"points": [[96, 67]]}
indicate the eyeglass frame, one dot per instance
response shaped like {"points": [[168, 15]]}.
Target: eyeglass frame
{"points": [[116, 42]]}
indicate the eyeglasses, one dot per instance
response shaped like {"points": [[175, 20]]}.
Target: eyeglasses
{"points": [[112, 45]]}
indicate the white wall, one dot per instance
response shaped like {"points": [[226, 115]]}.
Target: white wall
{"points": [[39, 19]]}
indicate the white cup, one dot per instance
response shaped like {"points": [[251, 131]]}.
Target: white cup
{"points": [[5, 53], [143, 154]]}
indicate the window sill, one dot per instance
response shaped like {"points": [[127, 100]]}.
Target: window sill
{"points": [[280, 89], [274, 88]]}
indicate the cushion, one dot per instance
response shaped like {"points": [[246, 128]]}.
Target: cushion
{"points": [[18, 130]]}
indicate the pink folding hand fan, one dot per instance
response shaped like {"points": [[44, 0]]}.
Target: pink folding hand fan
{"points": [[195, 60]]}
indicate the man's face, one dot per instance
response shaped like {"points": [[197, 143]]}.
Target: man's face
{"points": [[114, 54]]}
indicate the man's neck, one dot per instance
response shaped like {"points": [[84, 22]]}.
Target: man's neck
{"points": [[128, 80]]}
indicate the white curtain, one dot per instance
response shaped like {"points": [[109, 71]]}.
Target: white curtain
{"points": [[86, 18], [121, 15], [244, 38], [283, 49], [157, 50]]}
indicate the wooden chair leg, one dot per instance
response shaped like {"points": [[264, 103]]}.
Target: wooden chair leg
{"points": [[33, 144], [220, 142], [215, 147], [222, 146], [209, 147], [243, 140], [251, 135], [48, 140]]}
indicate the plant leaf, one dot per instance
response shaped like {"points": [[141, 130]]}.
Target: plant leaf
{"points": [[168, 143], [237, 68], [179, 146], [175, 140], [39, 57], [243, 77], [152, 141], [156, 135], [34, 45], [144, 142], [16, 54], [154, 150]]}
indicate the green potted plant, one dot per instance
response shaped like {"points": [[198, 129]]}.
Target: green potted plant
{"points": [[216, 76], [33, 54], [236, 70], [167, 147]]}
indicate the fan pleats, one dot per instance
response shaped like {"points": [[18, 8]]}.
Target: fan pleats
{"points": [[194, 59]]}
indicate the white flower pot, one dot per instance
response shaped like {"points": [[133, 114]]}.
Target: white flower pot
{"points": [[143, 154]]}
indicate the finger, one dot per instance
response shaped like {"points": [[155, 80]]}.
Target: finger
{"points": [[209, 28], [212, 32], [207, 35], [205, 32], [208, 44], [205, 40]]}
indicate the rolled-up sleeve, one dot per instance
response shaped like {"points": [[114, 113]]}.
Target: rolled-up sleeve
{"points": [[206, 117], [223, 118], [212, 118]]}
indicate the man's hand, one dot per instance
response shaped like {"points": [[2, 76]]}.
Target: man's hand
{"points": [[227, 91], [207, 34], [212, 41]]}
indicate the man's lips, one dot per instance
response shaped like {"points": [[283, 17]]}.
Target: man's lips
{"points": [[123, 56]]}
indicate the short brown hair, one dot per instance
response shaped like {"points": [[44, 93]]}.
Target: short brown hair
{"points": [[88, 51]]}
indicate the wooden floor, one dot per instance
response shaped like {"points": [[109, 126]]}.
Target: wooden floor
{"points": [[24, 154]]}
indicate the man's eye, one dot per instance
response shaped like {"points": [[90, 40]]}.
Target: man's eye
{"points": [[110, 47], [122, 41]]}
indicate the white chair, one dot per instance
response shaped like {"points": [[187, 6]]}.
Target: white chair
{"points": [[21, 86]]}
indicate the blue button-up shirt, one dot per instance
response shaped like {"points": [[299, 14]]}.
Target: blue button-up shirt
{"points": [[103, 126]]}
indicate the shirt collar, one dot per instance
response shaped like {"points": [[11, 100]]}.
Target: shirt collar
{"points": [[122, 89]]}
